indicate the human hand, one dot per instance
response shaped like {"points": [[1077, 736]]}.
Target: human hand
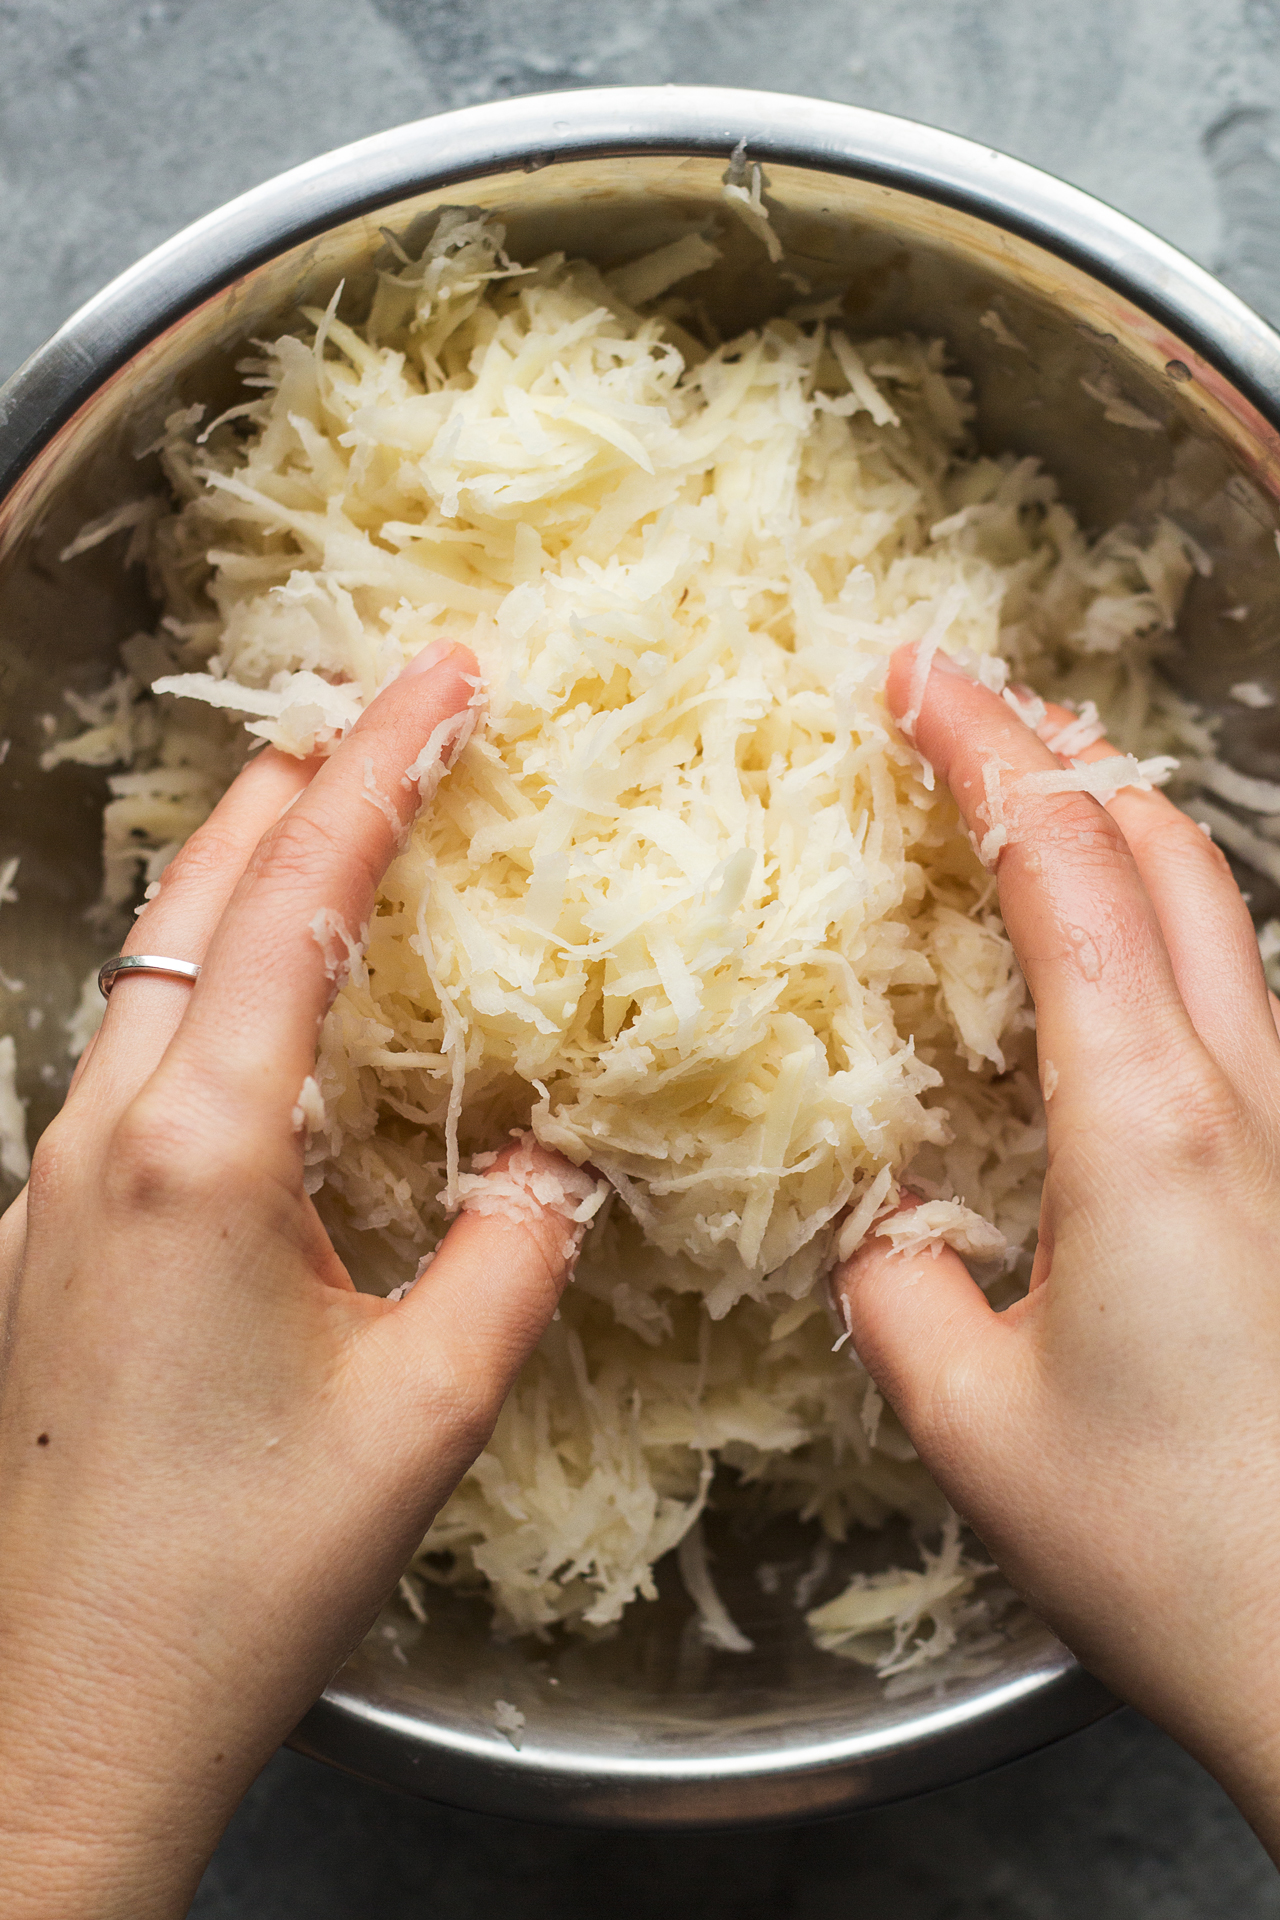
{"points": [[215, 1455], [1114, 1438]]}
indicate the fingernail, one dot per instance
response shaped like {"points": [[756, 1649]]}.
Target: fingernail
{"points": [[943, 663], [428, 658]]}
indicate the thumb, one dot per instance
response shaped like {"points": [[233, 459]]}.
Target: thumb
{"points": [[484, 1300], [926, 1334]]}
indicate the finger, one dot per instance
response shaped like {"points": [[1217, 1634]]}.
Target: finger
{"points": [[1208, 930], [144, 1011], [81, 1067], [285, 942], [484, 1301], [13, 1241], [1086, 935], [926, 1334]]}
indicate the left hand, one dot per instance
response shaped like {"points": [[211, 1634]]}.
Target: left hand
{"points": [[216, 1456]]}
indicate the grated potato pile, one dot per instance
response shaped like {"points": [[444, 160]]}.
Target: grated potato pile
{"points": [[687, 907]]}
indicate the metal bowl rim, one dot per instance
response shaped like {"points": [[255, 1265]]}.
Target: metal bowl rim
{"points": [[935, 1722], [595, 123], [781, 1787]]}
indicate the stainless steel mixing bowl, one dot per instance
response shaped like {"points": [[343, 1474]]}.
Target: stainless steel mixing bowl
{"points": [[1068, 317]]}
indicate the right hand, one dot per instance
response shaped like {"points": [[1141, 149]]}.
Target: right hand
{"points": [[1114, 1438]]}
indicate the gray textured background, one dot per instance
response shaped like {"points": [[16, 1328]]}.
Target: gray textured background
{"points": [[121, 120]]}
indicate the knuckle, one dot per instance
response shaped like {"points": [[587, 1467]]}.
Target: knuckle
{"points": [[1172, 839], [54, 1159], [1213, 856], [464, 1405], [156, 1162], [473, 1421], [943, 1410], [209, 855], [1076, 829], [1192, 1125], [308, 851], [1209, 1126], [299, 847], [552, 1247]]}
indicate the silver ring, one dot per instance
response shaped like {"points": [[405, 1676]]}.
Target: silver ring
{"points": [[110, 970]]}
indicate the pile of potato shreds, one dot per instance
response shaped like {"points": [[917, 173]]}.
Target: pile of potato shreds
{"points": [[687, 907]]}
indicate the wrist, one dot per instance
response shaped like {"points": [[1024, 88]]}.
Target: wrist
{"points": [[87, 1835], [1215, 1690], [118, 1780], [1239, 1744]]}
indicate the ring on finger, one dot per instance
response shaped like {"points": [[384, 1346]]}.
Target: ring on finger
{"points": [[123, 963]]}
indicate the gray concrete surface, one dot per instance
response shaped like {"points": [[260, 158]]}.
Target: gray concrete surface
{"points": [[1115, 1824], [121, 120]]}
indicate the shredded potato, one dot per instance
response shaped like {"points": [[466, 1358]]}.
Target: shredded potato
{"points": [[688, 908]]}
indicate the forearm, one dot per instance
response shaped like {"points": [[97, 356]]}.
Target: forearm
{"points": [[1255, 1789], [83, 1839], [131, 1727], [122, 1753], [1180, 1617], [1231, 1724], [115, 1865], [118, 1782]]}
